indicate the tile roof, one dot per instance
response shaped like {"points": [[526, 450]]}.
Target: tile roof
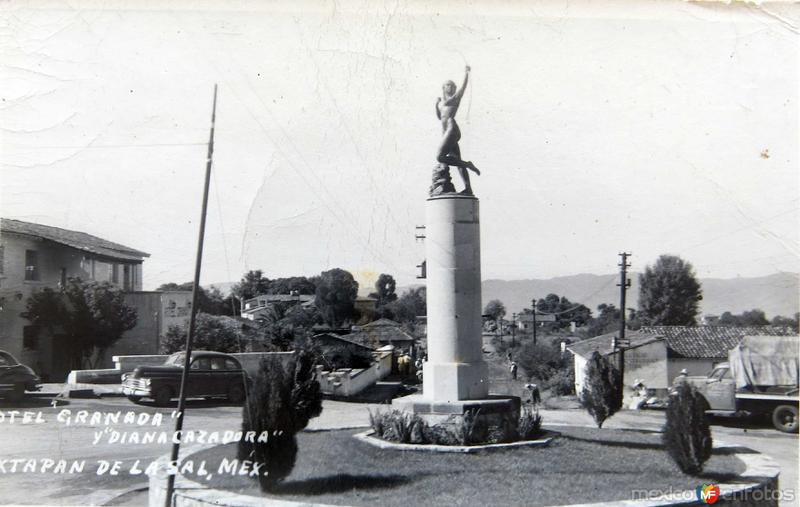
{"points": [[710, 341], [602, 343], [380, 331], [74, 239]]}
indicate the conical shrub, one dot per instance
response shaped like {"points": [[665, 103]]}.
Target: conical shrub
{"points": [[687, 436], [282, 400], [601, 395]]}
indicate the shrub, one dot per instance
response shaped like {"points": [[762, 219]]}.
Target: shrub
{"points": [[470, 428], [282, 400], [529, 426], [398, 426], [601, 394], [687, 436], [562, 383]]}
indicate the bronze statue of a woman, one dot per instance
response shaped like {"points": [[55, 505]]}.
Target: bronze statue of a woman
{"points": [[449, 152]]}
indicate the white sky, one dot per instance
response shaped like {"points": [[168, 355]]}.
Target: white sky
{"points": [[637, 126]]}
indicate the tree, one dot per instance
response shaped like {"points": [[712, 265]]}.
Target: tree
{"points": [[335, 296], [753, 317], [781, 321], [89, 316], [210, 301], [384, 290], [495, 310], [686, 434], [283, 399], [409, 306], [251, 285], [566, 311], [669, 293], [212, 332], [297, 284], [601, 395], [542, 360], [607, 320]]}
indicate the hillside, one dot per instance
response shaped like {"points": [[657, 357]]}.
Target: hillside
{"points": [[774, 294]]}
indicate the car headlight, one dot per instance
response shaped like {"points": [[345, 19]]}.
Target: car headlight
{"points": [[146, 381]]}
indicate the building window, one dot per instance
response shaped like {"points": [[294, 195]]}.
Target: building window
{"points": [[63, 281], [31, 265], [115, 273], [30, 337], [126, 277]]}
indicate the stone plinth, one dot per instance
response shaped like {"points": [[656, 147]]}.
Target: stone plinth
{"points": [[455, 369]]}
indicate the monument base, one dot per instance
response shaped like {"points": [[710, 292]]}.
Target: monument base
{"points": [[447, 382], [496, 413]]}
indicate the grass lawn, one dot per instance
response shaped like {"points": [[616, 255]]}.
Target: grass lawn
{"points": [[582, 465]]}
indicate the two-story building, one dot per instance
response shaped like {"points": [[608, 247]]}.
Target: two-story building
{"points": [[35, 256]]}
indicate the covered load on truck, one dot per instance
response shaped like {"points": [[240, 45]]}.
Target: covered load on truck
{"points": [[761, 362]]}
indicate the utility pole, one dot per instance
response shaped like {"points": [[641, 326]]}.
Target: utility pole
{"points": [[623, 285], [533, 318], [513, 328], [193, 316]]}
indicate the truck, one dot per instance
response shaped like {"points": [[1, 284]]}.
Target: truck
{"points": [[760, 378]]}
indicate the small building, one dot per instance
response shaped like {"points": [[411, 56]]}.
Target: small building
{"points": [[263, 306], [35, 256], [339, 352], [525, 320], [657, 354], [383, 332]]}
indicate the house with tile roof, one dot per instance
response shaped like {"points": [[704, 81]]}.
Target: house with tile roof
{"points": [[35, 256], [657, 354], [383, 332]]}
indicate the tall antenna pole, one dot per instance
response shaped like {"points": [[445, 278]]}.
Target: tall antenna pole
{"points": [[623, 284], [193, 318]]}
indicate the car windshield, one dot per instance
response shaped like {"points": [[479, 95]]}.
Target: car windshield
{"points": [[7, 359], [176, 359]]}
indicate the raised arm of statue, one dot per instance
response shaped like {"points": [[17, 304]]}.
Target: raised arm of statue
{"points": [[460, 92]]}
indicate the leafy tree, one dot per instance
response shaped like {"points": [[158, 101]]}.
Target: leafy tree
{"points": [[90, 316], [384, 290], [750, 318], [335, 296], [298, 284], [566, 311], [495, 309], [210, 301], [409, 306], [281, 402], [251, 285], [542, 361], [781, 321], [212, 332], [601, 395], [669, 293], [607, 320], [686, 434]]}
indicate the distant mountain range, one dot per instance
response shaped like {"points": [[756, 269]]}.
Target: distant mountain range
{"points": [[777, 294]]}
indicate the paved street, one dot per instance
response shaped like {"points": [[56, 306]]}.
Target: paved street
{"points": [[73, 442]]}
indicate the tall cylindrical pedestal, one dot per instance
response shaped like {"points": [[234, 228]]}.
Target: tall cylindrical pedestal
{"points": [[455, 369]]}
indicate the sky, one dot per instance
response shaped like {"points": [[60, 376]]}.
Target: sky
{"points": [[646, 127]]}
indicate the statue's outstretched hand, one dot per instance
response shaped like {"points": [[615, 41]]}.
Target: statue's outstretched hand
{"points": [[467, 69]]}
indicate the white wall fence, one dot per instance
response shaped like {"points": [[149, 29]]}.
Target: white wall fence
{"points": [[349, 382]]}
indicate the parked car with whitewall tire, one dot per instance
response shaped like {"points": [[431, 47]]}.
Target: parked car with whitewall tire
{"points": [[211, 375]]}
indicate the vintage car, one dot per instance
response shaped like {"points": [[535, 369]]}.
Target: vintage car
{"points": [[15, 378], [211, 375]]}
